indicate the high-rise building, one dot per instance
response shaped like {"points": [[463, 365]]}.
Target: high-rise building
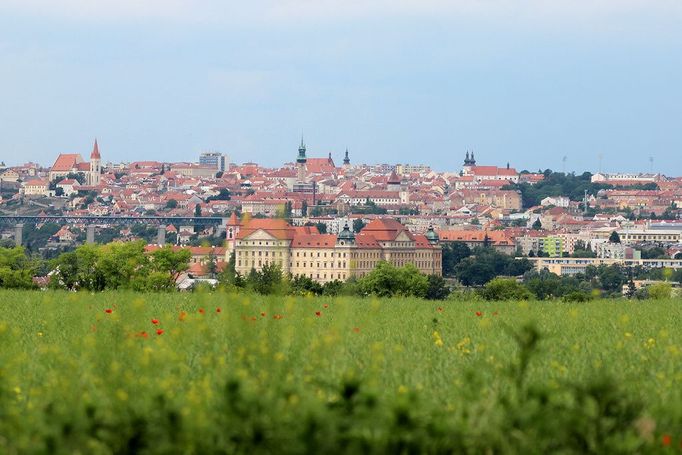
{"points": [[216, 160]]}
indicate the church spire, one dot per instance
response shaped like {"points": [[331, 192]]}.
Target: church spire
{"points": [[346, 160], [95, 152], [301, 152]]}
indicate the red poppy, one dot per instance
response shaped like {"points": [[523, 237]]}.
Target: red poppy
{"points": [[356, 329], [253, 318], [326, 305], [318, 313], [666, 440], [479, 314], [183, 315], [263, 314], [108, 311], [155, 321], [494, 313], [201, 310], [159, 331], [143, 334], [439, 309], [218, 310], [277, 316]]}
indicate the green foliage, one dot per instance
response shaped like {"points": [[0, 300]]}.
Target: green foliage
{"points": [[269, 280], [358, 225], [320, 375], [369, 208], [16, 271], [537, 225], [387, 280], [303, 285], [171, 204], [557, 184], [223, 195], [118, 266], [505, 289], [486, 264], [453, 253], [659, 291], [437, 288], [614, 237]]}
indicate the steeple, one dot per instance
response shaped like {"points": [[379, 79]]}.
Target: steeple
{"points": [[301, 152], [466, 159], [93, 177], [473, 160], [346, 160], [95, 152]]}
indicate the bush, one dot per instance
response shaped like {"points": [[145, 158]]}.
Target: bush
{"points": [[505, 289], [577, 296], [660, 291]]}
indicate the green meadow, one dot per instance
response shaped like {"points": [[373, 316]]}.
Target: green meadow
{"points": [[123, 372]]}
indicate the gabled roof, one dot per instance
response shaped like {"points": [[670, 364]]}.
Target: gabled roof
{"points": [[385, 229], [279, 229], [66, 162]]}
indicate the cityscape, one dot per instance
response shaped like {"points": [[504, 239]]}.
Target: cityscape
{"points": [[353, 214], [340, 227]]}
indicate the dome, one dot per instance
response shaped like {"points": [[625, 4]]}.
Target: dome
{"points": [[431, 235], [346, 235]]}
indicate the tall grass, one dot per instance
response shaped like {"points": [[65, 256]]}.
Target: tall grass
{"points": [[247, 373]]}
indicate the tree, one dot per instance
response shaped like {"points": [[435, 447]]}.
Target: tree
{"points": [[197, 211], [269, 280], [505, 289], [304, 208], [223, 195], [171, 204], [660, 291], [321, 227], [303, 285], [437, 288], [537, 225], [170, 262], [453, 253], [387, 280], [358, 225], [614, 237], [16, 270]]}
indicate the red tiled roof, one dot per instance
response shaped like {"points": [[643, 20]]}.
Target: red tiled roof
{"points": [[385, 229], [66, 162], [314, 241]]}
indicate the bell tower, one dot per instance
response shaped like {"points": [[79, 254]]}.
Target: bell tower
{"points": [[95, 166]]}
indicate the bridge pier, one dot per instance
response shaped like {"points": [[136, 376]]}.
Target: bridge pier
{"points": [[90, 233], [18, 233], [161, 235]]}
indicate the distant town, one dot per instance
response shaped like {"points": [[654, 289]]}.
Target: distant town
{"points": [[331, 218]]}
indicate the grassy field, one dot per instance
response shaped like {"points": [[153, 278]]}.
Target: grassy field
{"points": [[218, 373]]}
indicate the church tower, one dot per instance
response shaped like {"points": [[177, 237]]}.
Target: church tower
{"points": [[95, 166], [301, 162], [346, 161]]}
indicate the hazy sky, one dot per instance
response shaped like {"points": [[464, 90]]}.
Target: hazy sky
{"points": [[419, 81]]}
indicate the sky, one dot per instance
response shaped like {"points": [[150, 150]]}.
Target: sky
{"points": [[527, 82]]}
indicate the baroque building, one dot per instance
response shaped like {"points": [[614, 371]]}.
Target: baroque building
{"points": [[328, 257]]}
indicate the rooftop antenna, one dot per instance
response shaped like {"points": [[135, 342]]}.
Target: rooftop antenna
{"points": [[564, 163]]}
